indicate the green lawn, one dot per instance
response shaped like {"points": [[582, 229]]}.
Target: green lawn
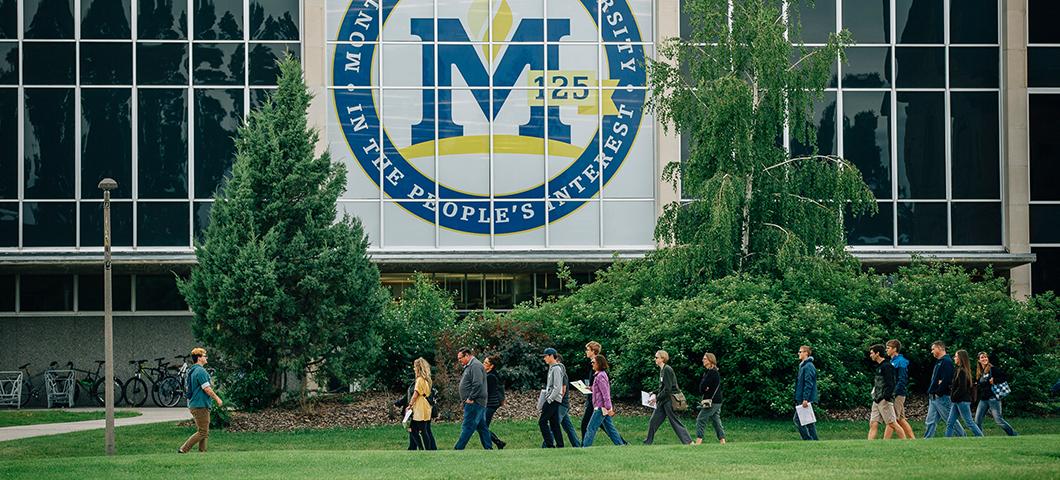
{"points": [[757, 449], [11, 418]]}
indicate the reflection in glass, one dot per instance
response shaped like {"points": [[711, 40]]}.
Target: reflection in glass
{"points": [[817, 21], [218, 114], [121, 224], [976, 21], [867, 67], [162, 19], [218, 19], [49, 143], [823, 121], [921, 145], [1045, 271], [872, 230], [48, 224], [1045, 146], [974, 67], [263, 58], [8, 63], [162, 224], [1045, 223], [158, 293], [8, 19], [200, 217], [48, 63], [919, 21], [274, 19], [977, 223], [162, 63], [922, 224], [48, 18], [7, 291], [976, 142], [258, 96], [106, 140], [920, 67], [46, 293], [163, 143], [867, 137], [106, 63], [90, 293], [219, 63], [8, 224], [1043, 67], [105, 19], [8, 143], [868, 20]]}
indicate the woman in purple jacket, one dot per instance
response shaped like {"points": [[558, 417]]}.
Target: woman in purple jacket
{"points": [[603, 409]]}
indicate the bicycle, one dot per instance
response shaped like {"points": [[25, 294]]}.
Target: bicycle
{"points": [[136, 391], [92, 383], [29, 392]]}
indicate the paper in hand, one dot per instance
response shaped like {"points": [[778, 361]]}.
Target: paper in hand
{"points": [[646, 399], [580, 385], [806, 415]]}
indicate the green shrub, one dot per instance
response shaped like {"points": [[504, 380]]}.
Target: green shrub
{"points": [[410, 329]]}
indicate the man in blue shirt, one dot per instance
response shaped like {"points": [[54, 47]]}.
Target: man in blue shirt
{"points": [[201, 397], [939, 391], [901, 389]]}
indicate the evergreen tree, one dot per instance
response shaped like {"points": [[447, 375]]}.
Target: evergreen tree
{"points": [[280, 285], [730, 90]]}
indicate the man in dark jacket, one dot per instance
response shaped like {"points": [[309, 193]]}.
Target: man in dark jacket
{"points": [[939, 391], [806, 391], [473, 393], [883, 386]]}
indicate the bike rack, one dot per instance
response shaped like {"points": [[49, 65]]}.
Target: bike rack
{"points": [[10, 389], [60, 386]]}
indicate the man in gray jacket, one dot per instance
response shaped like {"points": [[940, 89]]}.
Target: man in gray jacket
{"points": [[549, 420], [473, 393]]}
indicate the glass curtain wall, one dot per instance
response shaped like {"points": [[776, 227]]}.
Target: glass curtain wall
{"points": [[1043, 82]]}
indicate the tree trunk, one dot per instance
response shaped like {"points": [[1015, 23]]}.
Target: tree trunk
{"points": [[745, 224]]}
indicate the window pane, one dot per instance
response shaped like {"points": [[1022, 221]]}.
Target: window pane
{"points": [[163, 143], [920, 67], [976, 144], [158, 292], [218, 19], [1041, 16], [49, 18], [868, 67], [90, 293], [49, 143], [922, 224], [258, 96], [1045, 271], [824, 114], [162, 19], [48, 224], [162, 63], [8, 224], [9, 19], [817, 21], [921, 145], [919, 21], [1045, 223], [974, 67], [106, 63], [200, 217], [218, 114], [1043, 67], [121, 224], [274, 19], [975, 21], [219, 63], [46, 293], [48, 63], [1045, 146], [8, 143], [263, 58], [105, 19], [162, 224], [977, 223], [8, 63], [877, 229], [7, 293], [106, 140], [869, 21], [867, 137]]}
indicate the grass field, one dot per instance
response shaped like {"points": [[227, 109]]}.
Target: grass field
{"points": [[757, 449], [12, 418]]}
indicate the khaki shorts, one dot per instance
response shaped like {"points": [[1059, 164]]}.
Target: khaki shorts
{"points": [[883, 410], [899, 407]]}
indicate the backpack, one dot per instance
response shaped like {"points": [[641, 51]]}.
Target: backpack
{"points": [[187, 382]]}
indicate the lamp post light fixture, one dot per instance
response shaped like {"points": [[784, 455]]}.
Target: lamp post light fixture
{"points": [[108, 184]]}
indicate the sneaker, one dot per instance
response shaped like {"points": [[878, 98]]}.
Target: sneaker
{"points": [[500, 445], [181, 451]]}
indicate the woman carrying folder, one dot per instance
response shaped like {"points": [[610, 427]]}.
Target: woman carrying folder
{"points": [[664, 404], [603, 409]]}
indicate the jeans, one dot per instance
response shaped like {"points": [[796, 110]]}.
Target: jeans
{"points": [[994, 406], [568, 426], [474, 420], [964, 410], [665, 411], [489, 421], [939, 412], [597, 420], [807, 432], [713, 415], [548, 422], [421, 437]]}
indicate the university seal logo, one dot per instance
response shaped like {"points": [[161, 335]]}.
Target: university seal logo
{"points": [[478, 90]]}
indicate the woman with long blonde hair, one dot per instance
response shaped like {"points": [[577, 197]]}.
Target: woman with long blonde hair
{"points": [[420, 430]]}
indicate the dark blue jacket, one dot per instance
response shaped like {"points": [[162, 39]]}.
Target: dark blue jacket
{"points": [[901, 368], [806, 382], [942, 376]]}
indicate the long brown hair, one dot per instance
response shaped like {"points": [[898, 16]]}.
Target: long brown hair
{"points": [[962, 358], [979, 371]]}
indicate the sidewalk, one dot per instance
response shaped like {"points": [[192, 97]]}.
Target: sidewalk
{"points": [[148, 415]]}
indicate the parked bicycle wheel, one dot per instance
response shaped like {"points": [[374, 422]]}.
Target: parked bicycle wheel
{"points": [[27, 393], [99, 394], [168, 392], [135, 392]]}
